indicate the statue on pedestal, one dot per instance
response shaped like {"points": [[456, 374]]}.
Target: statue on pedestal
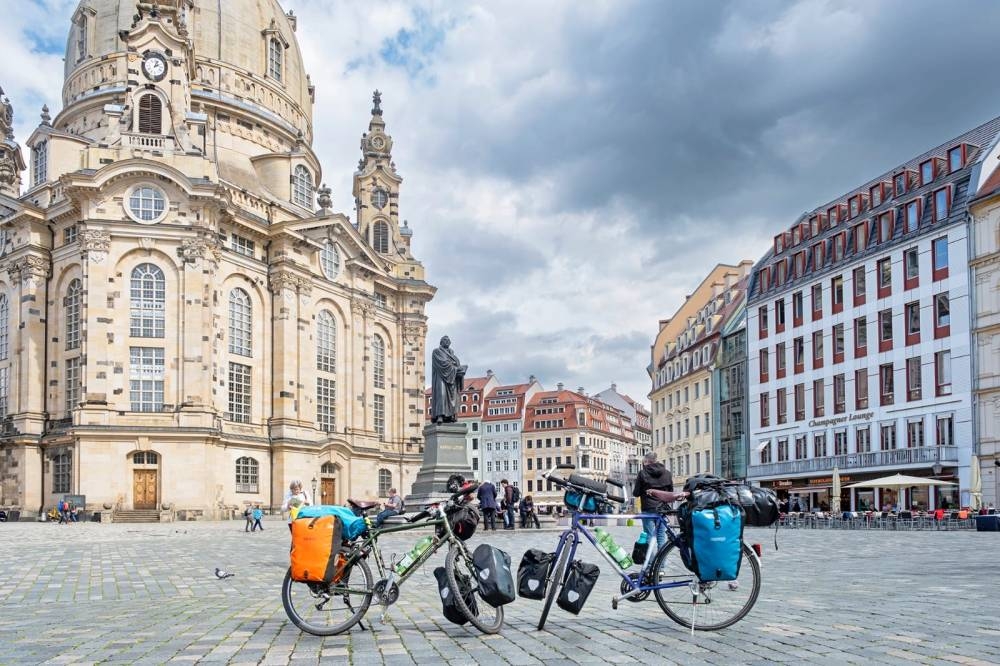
{"points": [[447, 378]]}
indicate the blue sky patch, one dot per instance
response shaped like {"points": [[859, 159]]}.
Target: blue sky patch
{"points": [[412, 49]]}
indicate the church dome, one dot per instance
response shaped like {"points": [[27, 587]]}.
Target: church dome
{"points": [[244, 52]]}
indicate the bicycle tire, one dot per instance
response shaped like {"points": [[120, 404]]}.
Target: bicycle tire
{"points": [[305, 625], [555, 583], [749, 569], [451, 562]]}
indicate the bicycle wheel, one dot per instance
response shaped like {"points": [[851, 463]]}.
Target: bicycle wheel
{"points": [[488, 619], [327, 610], [717, 605], [555, 582]]}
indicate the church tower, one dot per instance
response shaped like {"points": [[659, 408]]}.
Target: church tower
{"points": [[11, 161]]}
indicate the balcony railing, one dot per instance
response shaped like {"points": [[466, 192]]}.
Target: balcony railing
{"points": [[927, 455], [146, 141]]}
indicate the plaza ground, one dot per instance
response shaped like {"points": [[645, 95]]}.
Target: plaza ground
{"points": [[147, 594]]}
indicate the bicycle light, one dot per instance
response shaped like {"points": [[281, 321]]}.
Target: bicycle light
{"points": [[757, 549]]}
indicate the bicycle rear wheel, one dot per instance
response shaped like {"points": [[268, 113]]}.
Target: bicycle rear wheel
{"points": [[486, 619], [555, 582], [327, 610], [716, 605]]}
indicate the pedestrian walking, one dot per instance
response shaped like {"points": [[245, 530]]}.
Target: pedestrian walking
{"points": [[487, 495], [248, 517], [258, 514]]}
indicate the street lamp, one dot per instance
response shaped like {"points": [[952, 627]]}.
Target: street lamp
{"points": [[314, 482]]}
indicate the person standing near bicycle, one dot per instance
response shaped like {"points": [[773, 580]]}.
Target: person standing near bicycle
{"points": [[653, 476]]}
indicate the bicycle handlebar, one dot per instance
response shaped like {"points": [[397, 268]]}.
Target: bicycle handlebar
{"points": [[469, 488], [583, 484]]}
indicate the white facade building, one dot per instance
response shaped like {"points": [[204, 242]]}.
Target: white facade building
{"points": [[503, 422]]}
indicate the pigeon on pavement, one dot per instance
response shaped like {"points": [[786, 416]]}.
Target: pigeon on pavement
{"points": [[219, 573]]}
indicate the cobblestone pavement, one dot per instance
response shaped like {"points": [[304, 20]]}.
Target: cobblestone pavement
{"points": [[147, 594]]}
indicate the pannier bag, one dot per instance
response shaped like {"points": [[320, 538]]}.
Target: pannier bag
{"points": [[353, 525], [533, 573], [715, 536], [463, 520], [452, 612], [760, 505], [573, 498], [496, 582], [316, 541], [580, 580]]}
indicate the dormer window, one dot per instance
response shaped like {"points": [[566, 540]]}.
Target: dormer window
{"points": [[302, 187], [275, 60], [876, 195], [39, 163], [796, 236], [779, 243], [913, 215], [834, 215], [814, 227], [855, 206], [150, 114], [956, 158], [899, 184], [926, 172]]}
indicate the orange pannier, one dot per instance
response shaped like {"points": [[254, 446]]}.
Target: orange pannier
{"points": [[316, 543]]}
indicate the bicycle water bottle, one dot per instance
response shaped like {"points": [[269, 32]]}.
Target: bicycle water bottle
{"points": [[413, 555], [641, 548], [619, 554]]}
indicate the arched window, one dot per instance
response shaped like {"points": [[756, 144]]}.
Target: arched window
{"points": [[302, 187], [378, 362], [274, 58], [380, 237], [329, 259], [150, 114], [328, 468], [148, 302], [326, 342], [4, 325], [246, 475], [144, 458], [240, 322], [72, 306], [384, 482]]}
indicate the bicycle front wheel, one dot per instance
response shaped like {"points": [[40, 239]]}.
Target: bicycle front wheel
{"points": [[327, 610], [483, 617], [555, 582], [716, 605]]}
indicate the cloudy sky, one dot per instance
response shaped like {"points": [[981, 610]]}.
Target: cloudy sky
{"points": [[573, 169]]}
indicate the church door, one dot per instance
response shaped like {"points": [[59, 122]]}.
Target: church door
{"points": [[144, 488], [328, 493]]}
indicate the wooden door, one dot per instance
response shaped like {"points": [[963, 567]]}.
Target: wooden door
{"points": [[144, 489], [327, 493]]}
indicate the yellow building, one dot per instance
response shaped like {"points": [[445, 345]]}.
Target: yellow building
{"points": [[681, 371], [180, 323]]}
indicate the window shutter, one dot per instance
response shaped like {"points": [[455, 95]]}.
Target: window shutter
{"points": [[150, 114]]}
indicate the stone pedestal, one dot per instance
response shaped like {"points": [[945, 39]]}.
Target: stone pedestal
{"points": [[444, 455]]}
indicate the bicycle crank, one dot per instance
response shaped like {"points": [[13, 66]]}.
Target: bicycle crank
{"points": [[629, 592], [387, 593]]}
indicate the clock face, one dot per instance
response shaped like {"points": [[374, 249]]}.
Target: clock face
{"points": [[380, 198], [154, 67], [378, 143]]}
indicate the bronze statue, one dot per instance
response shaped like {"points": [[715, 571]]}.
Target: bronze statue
{"points": [[447, 378]]}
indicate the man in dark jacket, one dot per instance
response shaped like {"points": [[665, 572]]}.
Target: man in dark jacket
{"points": [[653, 476], [487, 495], [508, 504]]}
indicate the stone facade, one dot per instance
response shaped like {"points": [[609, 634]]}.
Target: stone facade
{"points": [[181, 323]]}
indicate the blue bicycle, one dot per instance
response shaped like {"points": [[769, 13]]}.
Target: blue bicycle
{"points": [[691, 603]]}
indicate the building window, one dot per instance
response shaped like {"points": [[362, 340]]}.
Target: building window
{"points": [[885, 380], [762, 321], [379, 414], [915, 434], [302, 187], [765, 412], [81, 37], [942, 373], [781, 360], [819, 445], [62, 468], [817, 301], [819, 406], [911, 267], [782, 405], [800, 402], [73, 380], [926, 172], [240, 323], [246, 475], [899, 184], [945, 430], [146, 372], [863, 438], [839, 394], [146, 204], [4, 327], [384, 482], [838, 343], [956, 159], [797, 308], [72, 306], [239, 392], [887, 436], [378, 362], [942, 310], [764, 365], [860, 237], [939, 253], [798, 354], [326, 404], [912, 322], [150, 114], [765, 453], [942, 200], [885, 326], [329, 259], [840, 443], [884, 277], [4, 390], [860, 336], [39, 163], [782, 450], [326, 342], [380, 237], [817, 349], [241, 245], [913, 379], [859, 285], [275, 54], [861, 389], [837, 293], [913, 215]]}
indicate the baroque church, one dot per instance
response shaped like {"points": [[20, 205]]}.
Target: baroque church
{"points": [[185, 324]]}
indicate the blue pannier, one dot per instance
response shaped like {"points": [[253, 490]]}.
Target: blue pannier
{"points": [[353, 525], [715, 536]]}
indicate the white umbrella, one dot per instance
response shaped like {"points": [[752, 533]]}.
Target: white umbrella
{"points": [[900, 481], [975, 485], [835, 493]]}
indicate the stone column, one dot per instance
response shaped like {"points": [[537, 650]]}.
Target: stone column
{"points": [[284, 324], [96, 318], [196, 323], [29, 276]]}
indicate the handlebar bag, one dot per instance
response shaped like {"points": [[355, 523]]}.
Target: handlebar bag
{"points": [[496, 582], [533, 573], [463, 520], [714, 536], [316, 542], [580, 581], [574, 500], [353, 526], [452, 612]]}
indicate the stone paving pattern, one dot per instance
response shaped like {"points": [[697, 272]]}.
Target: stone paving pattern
{"points": [[147, 594]]}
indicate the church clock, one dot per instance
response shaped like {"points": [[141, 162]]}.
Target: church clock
{"points": [[154, 66]]}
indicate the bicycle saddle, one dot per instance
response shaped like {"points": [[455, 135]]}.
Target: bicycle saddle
{"points": [[665, 495], [362, 506]]}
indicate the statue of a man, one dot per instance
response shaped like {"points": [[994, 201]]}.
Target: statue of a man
{"points": [[447, 377]]}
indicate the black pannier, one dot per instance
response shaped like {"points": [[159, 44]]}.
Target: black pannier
{"points": [[496, 582], [463, 520], [580, 581], [452, 612], [533, 573], [760, 505]]}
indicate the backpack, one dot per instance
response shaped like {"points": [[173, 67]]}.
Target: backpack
{"points": [[463, 520], [515, 494]]}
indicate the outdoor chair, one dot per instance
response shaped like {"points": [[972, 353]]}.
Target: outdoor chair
{"points": [[905, 520]]}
